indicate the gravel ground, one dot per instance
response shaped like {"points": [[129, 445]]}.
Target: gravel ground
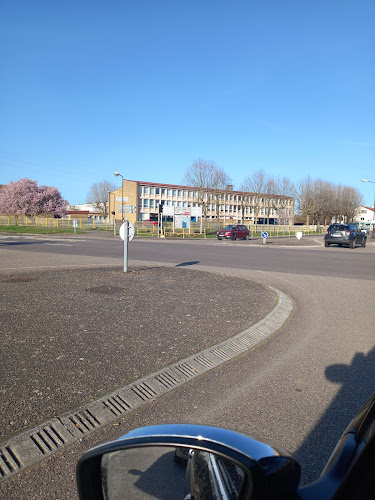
{"points": [[70, 335]]}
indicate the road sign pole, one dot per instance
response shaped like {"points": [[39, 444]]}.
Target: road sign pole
{"points": [[126, 242]]}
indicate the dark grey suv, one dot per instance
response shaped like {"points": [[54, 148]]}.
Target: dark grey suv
{"points": [[345, 234]]}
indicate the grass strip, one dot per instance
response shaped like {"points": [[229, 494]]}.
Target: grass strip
{"points": [[36, 230]]}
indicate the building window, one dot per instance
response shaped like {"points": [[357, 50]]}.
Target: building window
{"points": [[174, 192], [145, 190], [179, 204], [157, 190], [184, 204], [163, 192], [179, 193], [152, 203], [152, 190], [184, 194], [169, 192], [174, 203], [139, 190], [145, 203]]}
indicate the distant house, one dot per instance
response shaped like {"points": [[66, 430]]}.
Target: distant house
{"points": [[83, 211], [365, 215]]}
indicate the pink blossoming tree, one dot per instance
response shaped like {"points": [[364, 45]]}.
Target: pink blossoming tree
{"points": [[25, 197]]}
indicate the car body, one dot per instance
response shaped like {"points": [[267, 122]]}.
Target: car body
{"points": [[232, 232], [345, 234], [364, 230], [226, 478]]}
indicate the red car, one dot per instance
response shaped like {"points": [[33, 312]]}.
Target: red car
{"points": [[233, 232]]}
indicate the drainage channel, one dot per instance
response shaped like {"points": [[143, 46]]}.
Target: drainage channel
{"points": [[33, 445]]}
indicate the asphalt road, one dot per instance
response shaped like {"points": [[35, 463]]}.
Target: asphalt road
{"points": [[288, 255], [299, 389]]}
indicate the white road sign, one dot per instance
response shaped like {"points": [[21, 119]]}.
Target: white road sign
{"points": [[131, 231], [196, 211], [128, 209], [168, 210]]}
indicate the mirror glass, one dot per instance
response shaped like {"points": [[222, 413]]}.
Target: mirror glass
{"points": [[170, 473]]}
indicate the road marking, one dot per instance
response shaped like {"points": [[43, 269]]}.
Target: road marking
{"points": [[60, 244]]}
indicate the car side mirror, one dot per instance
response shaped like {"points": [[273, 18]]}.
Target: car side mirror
{"points": [[186, 461]]}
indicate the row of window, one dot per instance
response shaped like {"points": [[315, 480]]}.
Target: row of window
{"points": [[153, 204], [180, 193], [145, 203], [167, 192]]}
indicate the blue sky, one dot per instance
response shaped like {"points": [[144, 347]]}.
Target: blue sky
{"points": [[145, 87]]}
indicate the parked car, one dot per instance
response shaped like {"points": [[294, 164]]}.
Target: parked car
{"points": [[233, 232], [345, 234], [364, 230]]}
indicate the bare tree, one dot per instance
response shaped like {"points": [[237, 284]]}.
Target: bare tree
{"points": [[305, 198], [221, 182], [98, 196], [321, 201], [352, 200], [210, 180], [243, 203], [256, 184], [280, 191], [200, 175]]}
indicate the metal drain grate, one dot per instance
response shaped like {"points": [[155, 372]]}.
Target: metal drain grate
{"points": [[220, 353], [117, 405], [248, 341], [47, 440], [167, 380], [144, 391], [84, 421], [186, 370], [9, 462], [204, 361], [236, 346]]}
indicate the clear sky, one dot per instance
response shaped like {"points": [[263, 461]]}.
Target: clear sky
{"points": [[145, 87]]}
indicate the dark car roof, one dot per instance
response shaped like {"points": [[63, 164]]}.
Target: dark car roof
{"points": [[343, 226]]}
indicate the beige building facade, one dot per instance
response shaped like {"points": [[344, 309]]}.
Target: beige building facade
{"points": [[139, 201]]}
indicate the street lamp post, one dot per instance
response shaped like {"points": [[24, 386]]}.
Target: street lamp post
{"points": [[373, 225], [122, 194], [114, 204]]}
